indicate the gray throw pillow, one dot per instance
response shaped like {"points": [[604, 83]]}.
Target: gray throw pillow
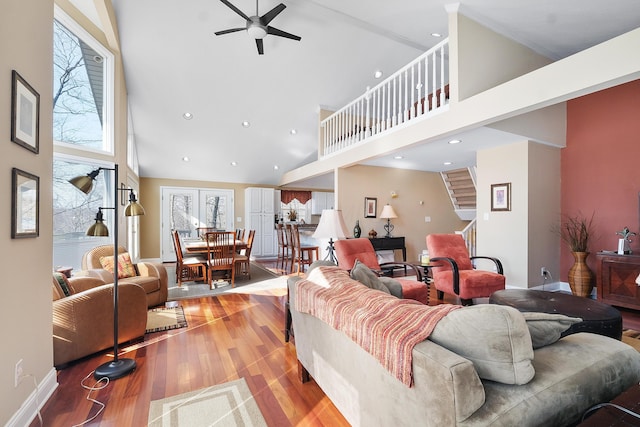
{"points": [[364, 275], [494, 337], [395, 288], [546, 328]]}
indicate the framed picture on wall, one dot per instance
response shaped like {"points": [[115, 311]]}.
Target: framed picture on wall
{"points": [[25, 204], [501, 197], [25, 113], [370, 207]]}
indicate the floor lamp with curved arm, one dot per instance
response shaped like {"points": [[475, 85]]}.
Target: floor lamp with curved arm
{"points": [[118, 367]]}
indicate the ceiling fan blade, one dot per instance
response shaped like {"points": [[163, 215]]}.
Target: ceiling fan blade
{"points": [[268, 17], [260, 46], [235, 9], [280, 33], [231, 30]]}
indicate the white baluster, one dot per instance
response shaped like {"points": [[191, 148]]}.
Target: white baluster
{"points": [[442, 94]]}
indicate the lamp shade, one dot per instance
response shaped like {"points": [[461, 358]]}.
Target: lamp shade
{"points": [[133, 208], [99, 228], [331, 225], [84, 183], [388, 212]]}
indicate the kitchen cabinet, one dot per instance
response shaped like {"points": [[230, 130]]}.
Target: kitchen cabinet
{"points": [[321, 200], [260, 216]]}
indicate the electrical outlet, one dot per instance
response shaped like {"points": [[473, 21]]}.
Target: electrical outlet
{"points": [[18, 373], [544, 272]]}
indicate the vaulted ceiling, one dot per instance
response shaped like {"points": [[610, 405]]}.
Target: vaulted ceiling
{"points": [[174, 64]]}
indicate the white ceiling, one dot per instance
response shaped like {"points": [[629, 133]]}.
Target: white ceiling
{"points": [[175, 64]]}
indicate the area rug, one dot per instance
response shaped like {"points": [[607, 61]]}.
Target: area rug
{"points": [[164, 319], [229, 404], [200, 289]]}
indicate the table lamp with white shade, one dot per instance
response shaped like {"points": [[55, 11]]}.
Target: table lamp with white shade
{"points": [[388, 213], [331, 226]]}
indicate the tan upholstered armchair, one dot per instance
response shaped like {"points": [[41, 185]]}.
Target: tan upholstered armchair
{"points": [[83, 320], [152, 277]]}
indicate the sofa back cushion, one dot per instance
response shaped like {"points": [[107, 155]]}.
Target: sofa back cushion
{"points": [[494, 337]]}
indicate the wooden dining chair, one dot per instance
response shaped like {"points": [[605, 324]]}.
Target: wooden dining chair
{"points": [[283, 248], [288, 237], [221, 250], [302, 255], [201, 231], [187, 268], [243, 260]]}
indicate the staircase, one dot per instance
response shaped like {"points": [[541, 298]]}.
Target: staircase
{"points": [[461, 186]]}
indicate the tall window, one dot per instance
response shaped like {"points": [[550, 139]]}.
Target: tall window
{"points": [[83, 123], [82, 75]]}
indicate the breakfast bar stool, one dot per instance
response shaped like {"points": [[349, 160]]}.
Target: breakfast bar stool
{"points": [[302, 255]]}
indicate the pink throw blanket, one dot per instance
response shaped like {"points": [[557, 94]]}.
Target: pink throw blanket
{"points": [[385, 326]]}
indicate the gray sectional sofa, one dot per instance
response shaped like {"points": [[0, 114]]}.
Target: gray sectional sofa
{"points": [[482, 372]]}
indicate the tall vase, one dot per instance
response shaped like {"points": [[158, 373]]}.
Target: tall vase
{"points": [[357, 230], [580, 276]]}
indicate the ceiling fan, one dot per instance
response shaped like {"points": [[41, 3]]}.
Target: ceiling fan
{"points": [[258, 26]]}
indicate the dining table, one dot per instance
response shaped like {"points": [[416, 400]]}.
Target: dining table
{"points": [[199, 246]]}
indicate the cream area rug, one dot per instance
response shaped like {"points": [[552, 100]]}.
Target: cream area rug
{"points": [[224, 405], [164, 319]]}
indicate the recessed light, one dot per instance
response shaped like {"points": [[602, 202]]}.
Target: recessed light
{"points": [[246, 124], [187, 116], [293, 131], [234, 163], [447, 163], [455, 141], [436, 34], [276, 167], [185, 159], [398, 157], [377, 74]]}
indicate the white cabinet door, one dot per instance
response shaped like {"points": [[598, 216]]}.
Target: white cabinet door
{"points": [[321, 200], [259, 216]]}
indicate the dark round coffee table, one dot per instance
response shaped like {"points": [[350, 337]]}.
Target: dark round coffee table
{"points": [[597, 317]]}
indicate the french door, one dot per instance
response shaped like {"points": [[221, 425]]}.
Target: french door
{"points": [[185, 209]]}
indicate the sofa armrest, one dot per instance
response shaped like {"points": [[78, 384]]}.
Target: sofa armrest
{"points": [[156, 270], [450, 382], [83, 322]]}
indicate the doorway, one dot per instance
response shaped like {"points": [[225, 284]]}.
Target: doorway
{"points": [[185, 209]]}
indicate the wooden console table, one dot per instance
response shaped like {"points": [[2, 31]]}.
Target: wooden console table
{"points": [[616, 279], [390, 243]]}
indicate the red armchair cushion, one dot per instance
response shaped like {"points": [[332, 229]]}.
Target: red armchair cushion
{"points": [[449, 246], [348, 251], [473, 283]]}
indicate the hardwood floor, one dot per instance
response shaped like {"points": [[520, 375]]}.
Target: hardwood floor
{"points": [[228, 337]]}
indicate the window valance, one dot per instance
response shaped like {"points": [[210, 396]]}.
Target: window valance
{"points": [[287, 196]]}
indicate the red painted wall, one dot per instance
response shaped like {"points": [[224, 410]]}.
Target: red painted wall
{"points": [[600, 167]]}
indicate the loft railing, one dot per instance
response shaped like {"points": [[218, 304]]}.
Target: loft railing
{"points": [[420, 88]]}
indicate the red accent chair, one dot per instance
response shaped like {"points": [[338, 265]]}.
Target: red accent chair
{"points": [[457, 275], [349, 250]]}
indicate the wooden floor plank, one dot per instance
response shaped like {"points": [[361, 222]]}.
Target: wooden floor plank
{"points": [[228, 337]]}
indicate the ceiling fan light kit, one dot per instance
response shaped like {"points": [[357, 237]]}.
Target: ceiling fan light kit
{"points": [[258, 26]]}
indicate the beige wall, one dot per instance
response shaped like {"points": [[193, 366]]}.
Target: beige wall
{"points": [[26, 313], [521, 238], [150, 193], [412, 187]]}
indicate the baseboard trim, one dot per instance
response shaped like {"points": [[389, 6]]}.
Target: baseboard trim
{"points": [[29, 409]]}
